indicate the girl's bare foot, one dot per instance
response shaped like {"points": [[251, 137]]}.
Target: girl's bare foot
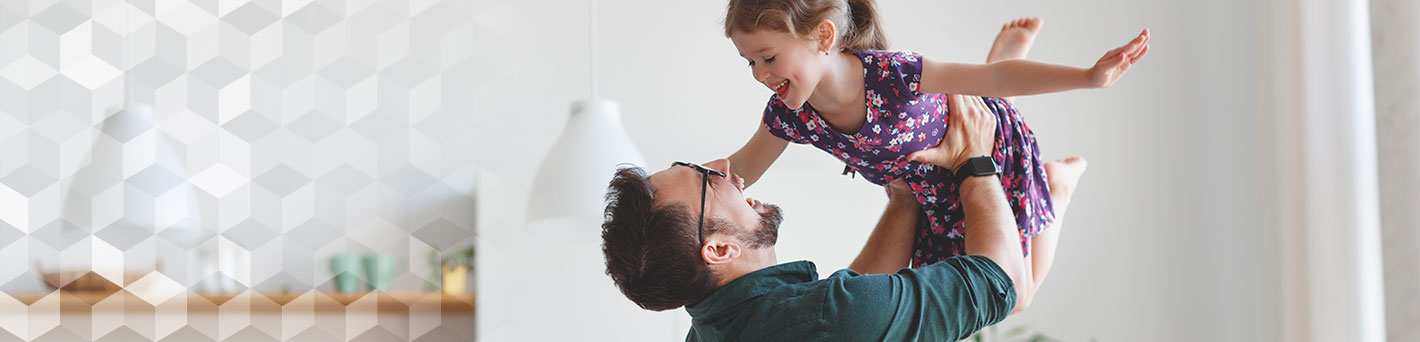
{"points": [[1015, 39], [1063, 176]]}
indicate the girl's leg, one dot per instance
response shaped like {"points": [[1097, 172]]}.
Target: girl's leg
{"points": [[1063, 176]]}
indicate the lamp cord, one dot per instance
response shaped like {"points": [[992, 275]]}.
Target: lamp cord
{"points": [[592, 47]]}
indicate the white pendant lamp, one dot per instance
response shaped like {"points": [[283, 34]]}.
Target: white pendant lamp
{"points": [[568, 193]]}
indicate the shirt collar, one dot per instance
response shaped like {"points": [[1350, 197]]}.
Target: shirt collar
{"points": [[753, 285]]}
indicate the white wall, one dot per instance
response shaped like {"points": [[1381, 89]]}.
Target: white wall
{"points": [[1396, 36], [1169, 237]]}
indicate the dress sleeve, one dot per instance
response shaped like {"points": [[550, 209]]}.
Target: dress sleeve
{"points": [[945, 301], [781, 121], [899, 71]]}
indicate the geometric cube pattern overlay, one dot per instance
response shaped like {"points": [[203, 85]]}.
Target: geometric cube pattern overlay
{"points": [[230, 148]]}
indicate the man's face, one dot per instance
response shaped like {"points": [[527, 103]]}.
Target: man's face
{"points": [[724, 200]]}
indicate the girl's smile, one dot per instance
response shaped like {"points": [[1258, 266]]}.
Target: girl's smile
{"points": [[781, 88]]}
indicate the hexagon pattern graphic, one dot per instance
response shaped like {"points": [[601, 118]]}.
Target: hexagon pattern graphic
{"points": [[207, 164]]}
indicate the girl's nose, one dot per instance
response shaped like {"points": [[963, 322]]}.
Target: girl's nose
{"points": [[760, 74]]}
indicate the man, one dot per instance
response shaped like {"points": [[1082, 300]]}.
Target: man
{"points": [[686, 236]]}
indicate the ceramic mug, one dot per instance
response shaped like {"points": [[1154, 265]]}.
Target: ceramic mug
{"points": [[379, 269], [346, 268]]}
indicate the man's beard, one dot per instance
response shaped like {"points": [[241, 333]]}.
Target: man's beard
{"points": [[767, 234]]}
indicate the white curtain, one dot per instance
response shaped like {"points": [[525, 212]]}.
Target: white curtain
{"points": [[1396, 39], [1328, 194]]}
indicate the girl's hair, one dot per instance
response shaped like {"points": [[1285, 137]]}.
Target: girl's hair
{"points": [[857, 20]]}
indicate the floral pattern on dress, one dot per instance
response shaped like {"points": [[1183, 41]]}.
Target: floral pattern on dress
{"points": [[899, 121]]}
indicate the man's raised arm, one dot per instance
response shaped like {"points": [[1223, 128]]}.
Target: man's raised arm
{"points": [[991, 230], [889, 248], [951, 299], [990, 226]]}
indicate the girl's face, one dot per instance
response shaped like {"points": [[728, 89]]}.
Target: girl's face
{"points": [[789, 66]]}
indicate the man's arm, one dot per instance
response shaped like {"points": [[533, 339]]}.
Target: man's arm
{"points": [[990, 226], [991, 230], [956, 297], [889, 248], [945, 301]]}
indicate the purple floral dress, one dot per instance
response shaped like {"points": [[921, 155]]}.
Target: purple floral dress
{"points": [[900, 121]]}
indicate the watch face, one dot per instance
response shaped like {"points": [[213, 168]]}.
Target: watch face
{"points": [[981, 166]]}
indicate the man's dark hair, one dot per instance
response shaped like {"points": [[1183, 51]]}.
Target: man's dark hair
{"points": [[652, 253]]}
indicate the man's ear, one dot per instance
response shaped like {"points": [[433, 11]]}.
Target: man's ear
{"points": [[719, 250], [827, 35]]}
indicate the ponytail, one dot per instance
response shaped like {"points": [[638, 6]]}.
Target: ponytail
{"points": [[866, 31], [857, 20]]}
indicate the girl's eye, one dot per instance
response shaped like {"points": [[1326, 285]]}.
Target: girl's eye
{"points": [[769, 59]]}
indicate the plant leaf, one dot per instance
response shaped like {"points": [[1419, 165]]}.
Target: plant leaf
{"points": [[1017, 331]]}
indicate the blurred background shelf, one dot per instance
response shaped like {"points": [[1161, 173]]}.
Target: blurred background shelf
{"points": [[395, 302]]}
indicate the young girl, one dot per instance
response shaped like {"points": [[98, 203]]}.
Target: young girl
{"points": [[835, 89]]}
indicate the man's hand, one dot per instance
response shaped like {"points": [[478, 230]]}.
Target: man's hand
{"points": [[1115, 62], [898, 191], [972, 133]]}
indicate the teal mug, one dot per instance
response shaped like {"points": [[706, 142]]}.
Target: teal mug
{"points": [[346, 268], [379, 269]]}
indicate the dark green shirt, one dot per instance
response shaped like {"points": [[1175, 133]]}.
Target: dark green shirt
{"points": [[945, 301]]}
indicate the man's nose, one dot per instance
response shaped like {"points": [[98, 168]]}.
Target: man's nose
{"points": [[722, 165]]}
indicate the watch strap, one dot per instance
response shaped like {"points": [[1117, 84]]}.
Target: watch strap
{"points": [[978, 166]]}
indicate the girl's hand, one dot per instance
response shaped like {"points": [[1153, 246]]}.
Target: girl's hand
{"points": [[972, 133], [1117, 61]]}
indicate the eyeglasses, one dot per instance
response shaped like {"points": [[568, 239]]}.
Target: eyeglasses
{"points": [[704, 184]]}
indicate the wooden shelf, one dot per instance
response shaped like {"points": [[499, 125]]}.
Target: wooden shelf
{"points": [[84, 302]]}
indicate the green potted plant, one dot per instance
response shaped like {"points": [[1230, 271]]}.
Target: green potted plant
{"points": [[1020, 333], [453, 269]]}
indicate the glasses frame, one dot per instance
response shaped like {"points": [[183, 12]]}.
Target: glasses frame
{"points": [[705, 173]]}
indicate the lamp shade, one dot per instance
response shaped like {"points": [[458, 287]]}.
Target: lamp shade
{"points": [[568, 193]]}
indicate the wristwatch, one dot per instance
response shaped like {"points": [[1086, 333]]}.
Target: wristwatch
{"points": [[977, 166]]}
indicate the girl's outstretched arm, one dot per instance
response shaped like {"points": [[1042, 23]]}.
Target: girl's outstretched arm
{"points": [[1017, 77], [756, 155]]}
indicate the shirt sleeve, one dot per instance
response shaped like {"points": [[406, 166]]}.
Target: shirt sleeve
{"points": [[945, 301]]}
